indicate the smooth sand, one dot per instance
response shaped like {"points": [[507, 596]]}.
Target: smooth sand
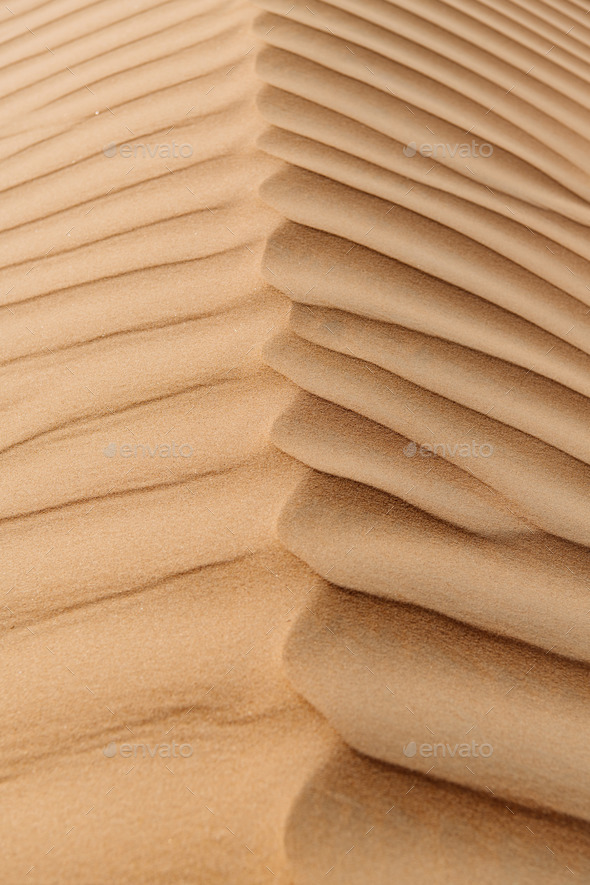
{"points": [[295, 442]]}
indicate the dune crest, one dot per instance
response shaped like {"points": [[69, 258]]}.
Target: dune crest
{"points": [[295, 377]]}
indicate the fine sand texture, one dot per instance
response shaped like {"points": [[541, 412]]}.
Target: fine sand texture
{"points": [[295, 442]]}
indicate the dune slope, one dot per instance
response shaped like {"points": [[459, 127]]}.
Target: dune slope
{"points": [[294, 458], [435, 201]]}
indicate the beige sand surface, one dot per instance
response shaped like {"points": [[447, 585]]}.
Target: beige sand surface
{"points": [[295, 458]]}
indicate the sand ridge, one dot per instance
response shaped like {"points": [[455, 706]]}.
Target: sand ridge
{"points": [[145, 599], [295, 441], [438, 340]]}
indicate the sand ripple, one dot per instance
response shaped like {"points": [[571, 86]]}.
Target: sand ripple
{"points": [[434, 192]]}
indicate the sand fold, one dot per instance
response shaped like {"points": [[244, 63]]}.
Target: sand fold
{"points": [[438, 341], [295, 441]]}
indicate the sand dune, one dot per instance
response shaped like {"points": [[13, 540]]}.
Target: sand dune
{"points": [[556, 501], [439, 342], [496, 701], [372, 822], [144, 597], [295, 371]]}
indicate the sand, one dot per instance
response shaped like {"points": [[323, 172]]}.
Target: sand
{"points": [[294, 515]]}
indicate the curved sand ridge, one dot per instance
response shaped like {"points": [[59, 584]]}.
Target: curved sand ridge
{"points": [[168, 411], [144, 596], [439, 341]]}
